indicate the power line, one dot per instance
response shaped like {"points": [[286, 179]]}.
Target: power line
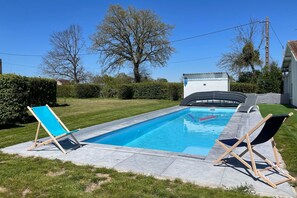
{"points": [[193, 60], [276, 35], [9, 63], [38, 55], [174, 41], [11, 54], [175, 62], [215, 32]]}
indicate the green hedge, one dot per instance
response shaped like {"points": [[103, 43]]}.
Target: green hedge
{"points": [[244, 87], [109, 91], [87, 91], [151, 90], [18, 92], [66, 91], [125, 91], [14, 97], [78, 91], [146, 90], [175, 91], [42, 91]]}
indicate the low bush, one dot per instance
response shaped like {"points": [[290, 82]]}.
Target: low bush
{"points": [[244, 87], [125, 92]]}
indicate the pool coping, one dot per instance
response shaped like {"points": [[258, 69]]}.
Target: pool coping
{"points": [[162, 164]]}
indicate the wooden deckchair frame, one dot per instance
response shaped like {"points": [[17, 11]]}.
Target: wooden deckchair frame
{"points": [[252, 151], [52, 138]]}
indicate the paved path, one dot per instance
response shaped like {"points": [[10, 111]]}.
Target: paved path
{"points": [[163, 164]]}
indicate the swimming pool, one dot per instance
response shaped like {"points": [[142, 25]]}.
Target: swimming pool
{"points": [[189, 131]]}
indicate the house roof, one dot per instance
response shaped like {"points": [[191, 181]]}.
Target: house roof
{"points": [[291, 52], [214, 75], [293, 46]]}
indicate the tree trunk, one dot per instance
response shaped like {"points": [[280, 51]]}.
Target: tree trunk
{"points": [[137, 76], [253, 69], [75, 78]]}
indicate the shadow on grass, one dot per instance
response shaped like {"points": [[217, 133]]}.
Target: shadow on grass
{"points": [[27, 120], [61, 105], [289, 106], [10, 126]]}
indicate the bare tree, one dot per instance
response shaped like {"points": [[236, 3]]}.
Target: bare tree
{"points": [[132, 37], [244, 55], [63, 61]]}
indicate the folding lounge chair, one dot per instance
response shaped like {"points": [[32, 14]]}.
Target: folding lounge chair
{"points": [[271, 125], [249, 104], [52, 125]]}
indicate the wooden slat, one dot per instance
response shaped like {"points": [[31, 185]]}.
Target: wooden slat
{"points": [[282, 181]]}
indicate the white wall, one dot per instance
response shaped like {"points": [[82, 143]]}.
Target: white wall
{"points": [[294, 81], [205, 85]]}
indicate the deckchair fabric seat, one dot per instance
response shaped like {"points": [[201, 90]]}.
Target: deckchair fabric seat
{"points": [[52, 125], [232, 141], [270, 128], [49, 120]]}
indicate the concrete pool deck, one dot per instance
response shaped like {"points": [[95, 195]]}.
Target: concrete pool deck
{"points": [[161, 164]]}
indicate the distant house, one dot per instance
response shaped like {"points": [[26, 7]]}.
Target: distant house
{"points": [[218, 81], [289, 68], [63, 82]]}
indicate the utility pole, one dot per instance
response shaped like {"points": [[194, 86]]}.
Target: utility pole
{"points": [[0, 66], [267, 42]]}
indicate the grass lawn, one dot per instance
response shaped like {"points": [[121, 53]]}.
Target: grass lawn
{"points": [[37, 177]]}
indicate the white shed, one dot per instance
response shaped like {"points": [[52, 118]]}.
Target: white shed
{"points": [[218, 81], [289, 68]]}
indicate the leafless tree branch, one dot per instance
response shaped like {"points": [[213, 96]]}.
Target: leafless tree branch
{"points": [[63, 61]]}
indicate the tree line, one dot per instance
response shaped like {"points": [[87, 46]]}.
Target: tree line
{"points": [[137, 39], [124, 38]]}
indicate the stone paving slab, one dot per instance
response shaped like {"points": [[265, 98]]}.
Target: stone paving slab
{"points": [[145, 164], [196, 171], [163, 164]]}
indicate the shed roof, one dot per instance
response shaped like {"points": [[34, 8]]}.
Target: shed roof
{"points": [[214, 75]]}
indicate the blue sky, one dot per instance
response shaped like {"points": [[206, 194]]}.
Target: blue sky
{"points": [[25, 27]]}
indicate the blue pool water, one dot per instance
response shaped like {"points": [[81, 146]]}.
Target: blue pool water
{"points": [[180, 131]]}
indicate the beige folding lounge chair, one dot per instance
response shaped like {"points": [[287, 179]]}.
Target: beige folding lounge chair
{"points": [[271, 125], [52, 125]]}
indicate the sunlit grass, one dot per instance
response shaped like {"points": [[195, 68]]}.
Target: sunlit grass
{"points": [[37, 177]]}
